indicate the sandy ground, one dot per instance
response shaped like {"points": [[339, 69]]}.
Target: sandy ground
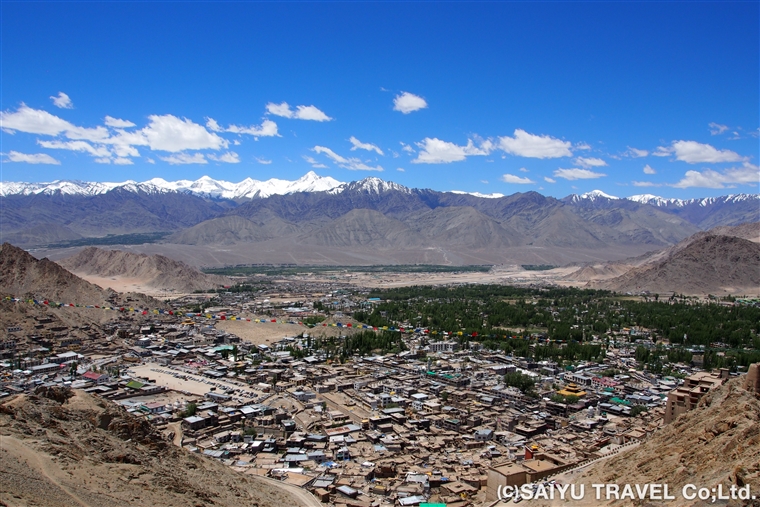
{"points": [[194, 383], [508, 274], [271, 332]]}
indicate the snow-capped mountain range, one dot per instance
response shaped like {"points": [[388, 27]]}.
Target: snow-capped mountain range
{"points": [[660, 202], [250, 188], [204, 186]]}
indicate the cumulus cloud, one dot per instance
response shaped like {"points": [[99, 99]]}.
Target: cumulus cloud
{"points": [[408, 102], [262, 160], [717, 128], [401, 169], [185, 158], [172, 134], [299, 113], [511, 178], [649, 170], [662, 151], [33, 121], [62, 100], [407, 148], [577, 174], [549, 180], [352, 164], [436, 151], [123, 161], [693, 152], [358, 145], [230, 157], [524, 144], [589, 162], [636, 153], [32, 158], [709, 178], [118, 123], [524, 170], [582, 146], [81, 146], [268, 128]]}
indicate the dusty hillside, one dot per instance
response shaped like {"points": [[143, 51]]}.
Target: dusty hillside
{"points": [[717, 443], [88, 452], [711, 264], [154, 271], [21, 275], [664, 270]]}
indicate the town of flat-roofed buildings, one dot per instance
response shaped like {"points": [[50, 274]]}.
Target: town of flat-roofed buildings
{"points": [[433, 423]]}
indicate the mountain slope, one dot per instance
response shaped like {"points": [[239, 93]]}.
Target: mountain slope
{"points": [[22, 275], [716, 443], [154, 270], [710, 263], [84, 451]]}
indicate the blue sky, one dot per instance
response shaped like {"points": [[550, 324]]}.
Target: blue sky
{"points": [[625, 97]]}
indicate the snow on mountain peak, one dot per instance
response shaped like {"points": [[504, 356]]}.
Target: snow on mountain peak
{"points": [[204, 186], [371, 185], [495, 195]]}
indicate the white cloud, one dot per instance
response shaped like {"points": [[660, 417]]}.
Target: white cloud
{"points": [[118, 123], [352, 164], [407, 148], [262, 160], [511, 178], [436, 151], [230, 157], [81, 146], [62, 100], [577, 174], [636, 153], [693, 152], [582, 146], [331, 154], [649, 170], [358, 145], [314, 162], [122, 161], [185, 158], [709, 178], [662, 151], [717, 128], [524, 170], [32, 158], [589, 162], [172, 134], [33, 121], [645, 184], [408, 102], [300, 112], [524, 144], [103, 160], [549, 180], [268, 128], [401, 169]]}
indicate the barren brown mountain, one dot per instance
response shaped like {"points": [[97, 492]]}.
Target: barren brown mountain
{"points": [[695, 265], [21, 275], [154, 271], [710, 264], [64, 449]]}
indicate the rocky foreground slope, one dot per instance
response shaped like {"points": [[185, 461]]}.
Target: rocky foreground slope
{"points": [[64, 449], [716, 443]]}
